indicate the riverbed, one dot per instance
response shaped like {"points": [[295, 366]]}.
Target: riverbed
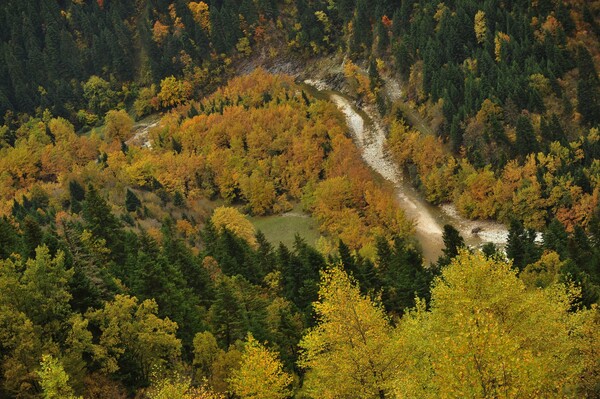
{"points": [[429, 220]]}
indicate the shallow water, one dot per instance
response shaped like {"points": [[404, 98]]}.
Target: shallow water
{"points": [[429, 220]]}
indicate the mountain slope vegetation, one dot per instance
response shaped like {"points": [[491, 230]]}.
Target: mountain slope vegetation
{"points": [[136, 137]]}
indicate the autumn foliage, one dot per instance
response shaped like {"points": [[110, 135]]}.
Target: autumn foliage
{"points": [[256, 141], [533, 191]]}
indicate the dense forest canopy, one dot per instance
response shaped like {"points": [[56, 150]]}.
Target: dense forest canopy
{"points": [[136, 137]]}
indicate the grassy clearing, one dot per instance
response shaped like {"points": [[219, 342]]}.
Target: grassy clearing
{"points": [[283, 228]]}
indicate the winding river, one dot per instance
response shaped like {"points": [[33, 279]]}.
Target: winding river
{"points": [[429, 220]]}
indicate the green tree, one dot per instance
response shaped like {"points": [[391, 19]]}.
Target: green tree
{"points": [[383, 39], [362, 35], [521, 246], [100, 220], [588, 87], [402, 59], [217, 31], [9, 239], [402, 274], [453, 243], [132, 202], [587, 101], [556, 238], [32, 236], [227, 314], [526, 142]]}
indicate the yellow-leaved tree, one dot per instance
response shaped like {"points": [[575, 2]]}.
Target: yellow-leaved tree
{"points": [[488, 335], [178, 387], [54, 380], [130, 328], [234, 221], [118, 125], [480, 27], [351, 353], [261, 374]]}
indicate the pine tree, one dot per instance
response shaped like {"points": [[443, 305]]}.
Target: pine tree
{"points": [[178, 199], [526, 142], [9, 239], [227, 315], [403, 59], [521, 246], [588, 88], [132, 202], [267, 7], [100, 220], [218, 35], [397, 27], [76, 191], [248, 10], [345, 9], [362, 36], [347, 260], [375, 80], [402, 275], [456, 134], [383, 39], [32, 236], [453, 243], [556, 238]]}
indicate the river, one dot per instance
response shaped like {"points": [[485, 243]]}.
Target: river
{"points": [[429, 220]]}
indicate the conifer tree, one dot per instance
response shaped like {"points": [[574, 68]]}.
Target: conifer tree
{"points": [[32, 236], [100, 220], [526, 142], [218, 35], [132, 202], [362, 35], [383, 39], [9, 239], [453, 243], [345, 9], [588, 88], [227, 314], [521, 246]]}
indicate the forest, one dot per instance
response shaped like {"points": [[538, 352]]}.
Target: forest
{"points": [[136, 139]]}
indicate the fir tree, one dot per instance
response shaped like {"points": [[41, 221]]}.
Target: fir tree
{"points": [[526, 142], [521, 246], [588, 88], [132, 202], [362, 36], [453, 243]]}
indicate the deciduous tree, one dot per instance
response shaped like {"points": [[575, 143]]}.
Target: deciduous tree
{"points": [[351, 352], [261, 374], [488, 335]]}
